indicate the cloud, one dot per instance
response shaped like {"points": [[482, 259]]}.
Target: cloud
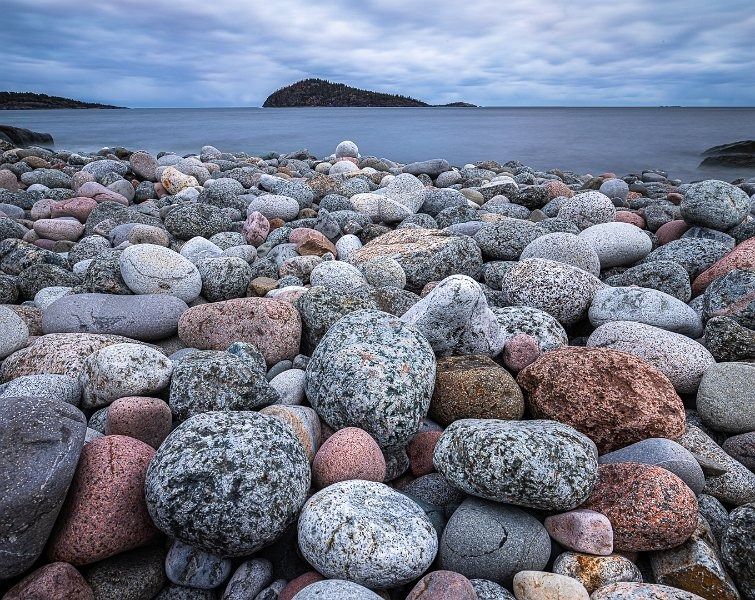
{"points": [[521, 52]]}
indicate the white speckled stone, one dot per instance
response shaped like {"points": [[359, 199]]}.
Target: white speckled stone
{"points": [[274, 206], [587, 209], [384, 271], [347, 148], [368, 532], [617, 244], [290, 386], [56, 387], [46, 296], [199, 248], [336, 589], [565, 248], [14, 333], [151, 269], [338, 275], [536, 323], [346, 245], [540, 585]]}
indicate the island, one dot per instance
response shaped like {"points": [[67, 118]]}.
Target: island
{"points": [[33, 101], [323, 93]]}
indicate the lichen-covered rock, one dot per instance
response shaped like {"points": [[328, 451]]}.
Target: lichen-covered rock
{"points": [[374, 372], [340, 525], [537, 464], [536, 323], [595, 572], [612, 397], [228, 483]]}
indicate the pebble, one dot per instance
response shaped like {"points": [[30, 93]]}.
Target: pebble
{"points": [[336, 589], [50, 387], [142, 418], [489, 590], [641, 591], [350, 453], [337, 523], [192, 567], [587, 209], [582, 530], [303, 421], [249, 579], [540, 585], [595, 572], [53, 581], [15, 332]]}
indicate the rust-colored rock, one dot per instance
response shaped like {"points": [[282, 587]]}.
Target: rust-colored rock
{"points": [[742, 257], [140, 417], [443, 585], [56, 581], [474, 387], [613, 397], [311, 242], [649, 507], [420, 452], [271, 325]]}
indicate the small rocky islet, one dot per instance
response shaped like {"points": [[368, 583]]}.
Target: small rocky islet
{"points": [[240, 377]]}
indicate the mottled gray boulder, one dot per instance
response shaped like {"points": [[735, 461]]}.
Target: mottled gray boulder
{"points": [[186, 221], [210, 380], [489, 590], [14, 332], [195, 568], [617, 244], [662, 453], [367, 532], [51, 387], [715, 514], [738, 548], [681, 359], [662, 275], [565, 248], [587, 209], [537, 464], [486, 540], [249, 579], [715, 204], [742, 448], [455, 319], [152, 269], [644, 305], [432, 167], [40, 443], [437, 200], [144, 317], [732, 295], [727, 339], [626, 590], [563, 291], [372, 371], [538, 324], [695, 255], [506, 239], [134, 575], [338, 275], [615, 188], [228, 483], [100, 168], [179, 592], [336, 589], [224, 278], [726, 397]]}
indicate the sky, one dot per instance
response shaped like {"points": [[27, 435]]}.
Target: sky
{"points": [[212, 53]]}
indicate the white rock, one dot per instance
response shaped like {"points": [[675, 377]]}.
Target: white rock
{"points": [[290, 386], [346, 245], [199, 248], [274, 206], [151, 269], [338, 275], [14, 333], [617, 244], [540, 585]]}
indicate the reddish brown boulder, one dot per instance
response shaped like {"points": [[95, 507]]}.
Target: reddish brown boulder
{"points": [[311, 242], [105, 512], [56, 581], [146, 419], [443, 585], [613, 397], [673, 230], [350, 453], [271, 325], [420, 452], [742, 257], [649, 507]]}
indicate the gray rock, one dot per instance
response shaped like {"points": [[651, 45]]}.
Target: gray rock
{"points": [[455, 318], [14, 333], [564, 248], [715, 204], [728, 340], [614, 188], [678, 357], [485, 540], [726, 397], [641, 591], [144, 317], [506, 239], [336, 589], [151, 269], [489, 590], [617, 244], [273, 206], [372, 371], [290, 385], [178, 592], [538, 324], [435, 490], [437, 200], [228, 483], [186, 221], [191, 567], [662, 275], [432, 167], [563, 291], [224, 278], [732, 295], [384, 271], [144, 165], [40, 443], [249, 579], [693, 254], [198, 249], [742, 448], [513, 462], [715, 514], [338, 275], [644, 305], [664, 453], [338, 522], [272, 592], [100, 168], [51, 387], [587, 209], [134, 575], [738, 548]]}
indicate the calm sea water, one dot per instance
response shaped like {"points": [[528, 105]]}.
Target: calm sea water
{"points": [[586, 140]]}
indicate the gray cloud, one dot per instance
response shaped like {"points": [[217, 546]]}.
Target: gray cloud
{"points": [[521, 52]]}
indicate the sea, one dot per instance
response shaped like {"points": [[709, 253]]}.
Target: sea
{"points": [[585, 140]]}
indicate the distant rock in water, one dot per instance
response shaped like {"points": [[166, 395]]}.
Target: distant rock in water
{"points": [[736, 154], [319, 92], [30, 101], [21, 138]]}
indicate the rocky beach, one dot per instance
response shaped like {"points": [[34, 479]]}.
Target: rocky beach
{"points": [[285, 377]]}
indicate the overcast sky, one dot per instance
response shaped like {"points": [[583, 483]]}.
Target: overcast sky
{"points": [[489, 52]]}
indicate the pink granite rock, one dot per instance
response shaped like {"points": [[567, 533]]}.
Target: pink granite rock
{"points": [[520, 351], [742, 257], [256, 228], [8, 180], [557, 188], [92, 189], [673, 230], [59, 229], [350, 453], [78, 207], [420, 451], [41, 209], [296, 585], [626, 216], [140, 417], [105, 512], [55, 581], [311, 242], [582, 530], [443, 585]]}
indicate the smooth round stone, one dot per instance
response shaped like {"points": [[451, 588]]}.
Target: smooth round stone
{"points": [[290, 386], [582, 530], [52, 387], [337, 275], [14, 333], [347, 148], [273, 326], [185, 221], [615, 188], [420, 452], [506, 239], [346, 245], [151, 269], [143, 418], [144, 165], [594, 572], [533, 322], [384, 271], [563, 291], [515, 462], [641, 591], [662, 453], [540, 585], [443, 585], [742, 448], [738, 548], [350, 453], [726, 397], [249, 579], [678, 357], [274, 206], [40, 445], [132, 575], [644, 305], [338, 527], [649, 507], [224, 278], [198, 249], [228, 483], [487, 540], [143, 317], [191, 567], [489, 590], [474, 387], [64, 228], [343, 167], [47, 296], [732, 295], [336, 589], [617, 244], [123, 370], [303, 421], [715, 204], [612, 397], [587, 209], [179, 592], [565, 248], [662, 275], [54, 581], [105, 513], [174, 181], [374, 372]]}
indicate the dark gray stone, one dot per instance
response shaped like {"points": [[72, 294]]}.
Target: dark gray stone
{"points": [[191, 567], [738, 549], [134, 575]]}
